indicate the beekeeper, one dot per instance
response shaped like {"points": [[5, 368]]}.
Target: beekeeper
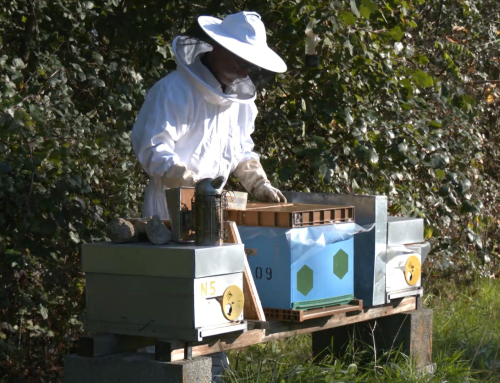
{"points": [[197, 122]]}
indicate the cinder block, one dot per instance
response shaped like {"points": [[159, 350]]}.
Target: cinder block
{"points": [[135, 368]]}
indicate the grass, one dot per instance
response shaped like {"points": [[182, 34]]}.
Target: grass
{"points": [[467, 320], [466, 347]]}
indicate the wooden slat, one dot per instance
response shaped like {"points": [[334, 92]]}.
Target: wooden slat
{"points": [[302, 315], [281, 330], [281, 215], [252, 308]]}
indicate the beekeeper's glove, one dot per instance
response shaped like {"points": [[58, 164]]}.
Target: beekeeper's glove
{"points": [[178, 176], [253, 178], [268, 193]]}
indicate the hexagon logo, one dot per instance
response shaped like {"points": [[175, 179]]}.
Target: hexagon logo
{"points": [[304, 280], [340, 264]]}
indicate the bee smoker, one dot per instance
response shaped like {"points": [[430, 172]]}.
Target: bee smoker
{"points": [[209, 207]]}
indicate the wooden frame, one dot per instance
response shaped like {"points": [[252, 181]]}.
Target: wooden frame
{"points": [[290, 215], [302, 315]]}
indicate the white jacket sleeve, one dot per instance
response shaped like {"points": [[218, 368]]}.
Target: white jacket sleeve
{"points": [[250, 172], [247, 120], [163, 119]]}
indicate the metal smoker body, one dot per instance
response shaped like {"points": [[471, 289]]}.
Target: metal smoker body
{"points": [[209, 206]]}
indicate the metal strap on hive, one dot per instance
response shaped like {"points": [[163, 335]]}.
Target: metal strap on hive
{"points": [[291, 215]]}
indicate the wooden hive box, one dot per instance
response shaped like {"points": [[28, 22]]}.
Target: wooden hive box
{"points": [[290, 215]]}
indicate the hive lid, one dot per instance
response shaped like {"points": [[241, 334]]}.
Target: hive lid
{"points": [[170, 260], [404, 230]]}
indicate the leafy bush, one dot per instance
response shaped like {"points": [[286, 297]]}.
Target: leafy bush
{"points": [[401, 105]]}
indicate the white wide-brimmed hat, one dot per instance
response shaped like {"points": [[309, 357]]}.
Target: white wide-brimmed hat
{"points": [[243, 34]]}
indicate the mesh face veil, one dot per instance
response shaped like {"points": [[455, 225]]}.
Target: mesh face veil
{"points": [[257, 76]]}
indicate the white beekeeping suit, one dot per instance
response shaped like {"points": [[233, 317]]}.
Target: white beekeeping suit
{"points": [[189, 128]]}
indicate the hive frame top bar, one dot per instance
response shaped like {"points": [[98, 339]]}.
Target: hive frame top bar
{"points": [[288, 215]]}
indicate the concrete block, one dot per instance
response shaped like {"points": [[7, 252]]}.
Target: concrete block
{"points": [[135, 368], [411, 331]]}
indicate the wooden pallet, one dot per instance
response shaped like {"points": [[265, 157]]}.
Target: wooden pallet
{"points": [[290, 215], [302, 315]]}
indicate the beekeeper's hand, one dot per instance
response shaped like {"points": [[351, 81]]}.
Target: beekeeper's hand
{"points": [[268, 193], [178, 176], [253, 178]]}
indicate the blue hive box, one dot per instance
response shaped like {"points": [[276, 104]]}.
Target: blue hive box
{"points": [[301, 268]]}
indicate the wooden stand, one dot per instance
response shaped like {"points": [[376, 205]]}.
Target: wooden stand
{"points": [[96, 347], [279, 330]]}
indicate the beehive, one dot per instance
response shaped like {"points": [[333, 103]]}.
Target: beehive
{"points": [[295, 269]]}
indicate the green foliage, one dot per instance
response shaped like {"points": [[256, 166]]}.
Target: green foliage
{"points": [[400, 106]]}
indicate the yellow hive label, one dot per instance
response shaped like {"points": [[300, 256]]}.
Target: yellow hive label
{"points": [[412, 270], [232, 302]]}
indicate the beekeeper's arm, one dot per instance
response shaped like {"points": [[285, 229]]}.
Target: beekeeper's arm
{"points": [[251, 174], [163, 119]]}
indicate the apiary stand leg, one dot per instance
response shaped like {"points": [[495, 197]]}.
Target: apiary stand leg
{"points": [[411, 331], [135, 367]]}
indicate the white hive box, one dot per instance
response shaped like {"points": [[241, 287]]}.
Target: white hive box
{"points": [[406, 250], [169, 291]]}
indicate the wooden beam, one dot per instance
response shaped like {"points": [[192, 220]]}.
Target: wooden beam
{"points": [[252, 308], [302, 315], [281, 330]]}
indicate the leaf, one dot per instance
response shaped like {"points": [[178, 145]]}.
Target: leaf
{"points": [[396, 33], [354, 185], [444, 191], [322, 170], [422, 59], [74, 237], [3, 60], [18, 63], [348, 45], [373, 156], [428, 232], [406, 83], [367, 8], [423, 79], [97, 57], [440, 174], [469, 207], [43, 312], [98, 83], [347, 17], [354, 8]]}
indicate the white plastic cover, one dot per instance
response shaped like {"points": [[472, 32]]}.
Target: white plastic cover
{"points": [[307, 241]]}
